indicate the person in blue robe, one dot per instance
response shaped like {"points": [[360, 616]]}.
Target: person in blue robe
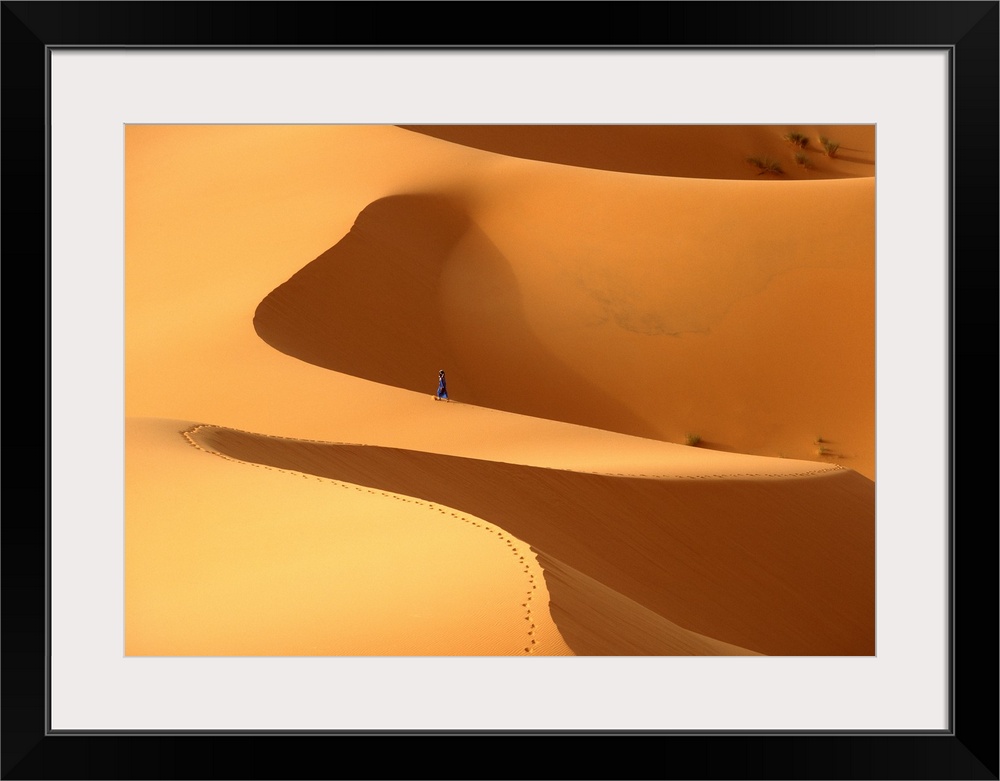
{"points": [[442, 391]]}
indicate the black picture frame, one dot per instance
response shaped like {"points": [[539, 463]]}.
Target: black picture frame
{"points": [[968, 750]]}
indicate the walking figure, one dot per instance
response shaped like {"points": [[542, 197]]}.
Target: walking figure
{"points": [[442, 391]]}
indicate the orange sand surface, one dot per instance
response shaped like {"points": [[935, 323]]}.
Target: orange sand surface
{"points": [[599, 296]]}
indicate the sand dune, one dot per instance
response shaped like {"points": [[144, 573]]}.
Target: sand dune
{"points": [[656, 335], [596, 620], [292, 291], [384, 280], [225, 559], [786, 567], [698, 151]]}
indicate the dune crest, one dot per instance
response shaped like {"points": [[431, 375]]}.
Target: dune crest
{"points": [[700, 151], [229, 558], [779, 567]]}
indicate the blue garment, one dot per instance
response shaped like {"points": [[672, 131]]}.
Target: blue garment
{"points": [[442, 392]]}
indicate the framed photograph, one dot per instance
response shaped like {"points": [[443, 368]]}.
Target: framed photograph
{"points": [[685, 470]]}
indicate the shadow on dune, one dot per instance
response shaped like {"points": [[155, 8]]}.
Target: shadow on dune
{"points": [[368, 305], [706, 444], [854, 159], [698, 151], [779, 567], [595, 620], [416, 286], [500, 362]]}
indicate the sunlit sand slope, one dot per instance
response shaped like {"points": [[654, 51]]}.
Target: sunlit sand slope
{"points": [[234, 559], [776, 565]]}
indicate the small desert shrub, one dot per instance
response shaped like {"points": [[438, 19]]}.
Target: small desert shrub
{"points": [[765, 165], [823, 451], [801, 159], [830, 147], [692, 439], [797, 139]]}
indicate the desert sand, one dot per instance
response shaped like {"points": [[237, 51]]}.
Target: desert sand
{"points": [[660, 438]]}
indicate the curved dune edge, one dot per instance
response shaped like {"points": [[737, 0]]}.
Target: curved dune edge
{"points": [[229, 558], [773, 566], [418, 284], [696, 151], [595, 620], [371, 307]]}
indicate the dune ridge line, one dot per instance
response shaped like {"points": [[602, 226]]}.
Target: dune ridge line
{"points": [[777, 567], [189, 435]]}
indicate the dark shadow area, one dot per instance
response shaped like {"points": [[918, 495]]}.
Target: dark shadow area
{"points": [[696, 151], [368, 305], [500, 362], [595, 620], [706, 444], [853, 159], [372, 306]]}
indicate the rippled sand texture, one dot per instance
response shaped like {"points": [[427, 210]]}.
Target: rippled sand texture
{"points": [[661, 364]]}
